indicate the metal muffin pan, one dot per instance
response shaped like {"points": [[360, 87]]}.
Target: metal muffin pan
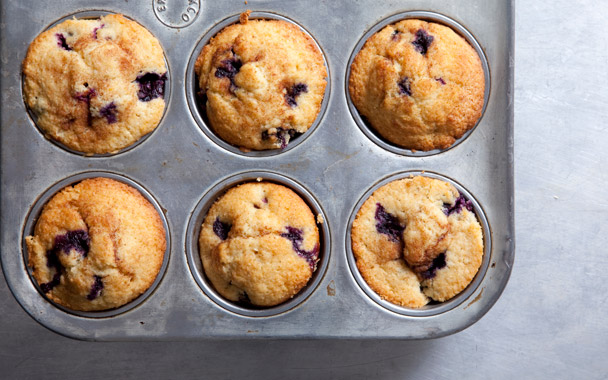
{"points": [[333, 166]]}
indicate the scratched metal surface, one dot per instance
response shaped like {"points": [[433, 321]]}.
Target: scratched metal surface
{"points": [[336, 164]]}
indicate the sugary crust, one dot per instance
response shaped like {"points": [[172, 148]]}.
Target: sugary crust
{"points": [[463, 257], [256, 262], [127, 244], [446, 83], [252, 110], [394, 266], [87, 97]]}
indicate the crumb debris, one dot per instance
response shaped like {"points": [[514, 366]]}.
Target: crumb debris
{"points": [[244, 16], [320, 219], [331, 289]]}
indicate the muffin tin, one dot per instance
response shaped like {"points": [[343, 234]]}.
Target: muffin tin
{"points": [[334, 166]]}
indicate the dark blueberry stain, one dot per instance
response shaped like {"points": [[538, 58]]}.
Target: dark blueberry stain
{"points": [[438, 263], [94, 34], [440, 80], [221, 229], [264, 200], [86, 98], [228, 69], [61, 42], [109, 112], [284, 135], [405, 87], [423, 41], [151, 86], [95, 289], [52, 261], [48, 286], [460, 203], [77, 240], [295, 235], [244, 298], [293, 92], [388, 224]]}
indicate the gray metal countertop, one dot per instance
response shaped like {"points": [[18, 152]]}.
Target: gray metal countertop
{"points": [[549, 323]]}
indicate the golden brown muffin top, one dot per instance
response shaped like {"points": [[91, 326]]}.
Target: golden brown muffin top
{"points": [[97, 245]]}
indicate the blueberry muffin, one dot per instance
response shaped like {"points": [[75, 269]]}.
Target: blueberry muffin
{"points": [[97, 245], [416, 240], [95, 86], [418, 84], [259, 244], [261, 83]]}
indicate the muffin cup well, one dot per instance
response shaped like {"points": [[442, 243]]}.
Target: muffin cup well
{"points": [[92, 15], [35, 211], [433, 308], [430, 17], [200, 212], [200, 115]]}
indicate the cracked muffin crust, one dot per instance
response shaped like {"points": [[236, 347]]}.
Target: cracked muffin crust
{"points": [[261, 83], [416, 240], [259, 244], [97, 245], [96, 86], [419, 84]]}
